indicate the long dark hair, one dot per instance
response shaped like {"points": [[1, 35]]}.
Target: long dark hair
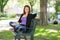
{"points": [[25, 7]]}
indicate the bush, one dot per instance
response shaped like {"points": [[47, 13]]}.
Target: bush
{"points": [[53, 15], [3, 15], [3, 18], [12, 15]]}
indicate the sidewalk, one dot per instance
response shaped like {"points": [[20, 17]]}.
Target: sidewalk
{"points": [[4, 24]]}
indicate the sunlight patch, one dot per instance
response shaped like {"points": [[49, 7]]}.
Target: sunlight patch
{"points": [[37, 34]]}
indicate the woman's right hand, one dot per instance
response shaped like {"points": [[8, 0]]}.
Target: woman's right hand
{"points": [[14, 24]]}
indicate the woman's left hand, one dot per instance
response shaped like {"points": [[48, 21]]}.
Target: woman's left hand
{"points": [[36, 17]]}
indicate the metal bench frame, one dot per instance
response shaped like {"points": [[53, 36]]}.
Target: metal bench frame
{"points": [[29, 33]]}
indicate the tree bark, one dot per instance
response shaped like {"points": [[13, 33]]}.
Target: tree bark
{"points": [[2, 9], [31, 4], [43, 12], [2, 5], [56, 7]]}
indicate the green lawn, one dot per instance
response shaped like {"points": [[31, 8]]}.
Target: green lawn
{"points": [[46, 33], [41, 33]]}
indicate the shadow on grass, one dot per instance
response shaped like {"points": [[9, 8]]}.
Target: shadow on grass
{"points": [[45, 34], [41, 33], [5, 35], [52, 26]]}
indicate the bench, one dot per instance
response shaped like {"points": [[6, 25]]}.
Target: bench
{"points": [[30, 32]]}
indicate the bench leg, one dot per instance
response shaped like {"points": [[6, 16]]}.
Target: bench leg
{"points": [[17, 37], [31, 37], [25, 37]]}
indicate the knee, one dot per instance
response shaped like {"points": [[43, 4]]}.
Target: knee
{"points": [[10, 23]]}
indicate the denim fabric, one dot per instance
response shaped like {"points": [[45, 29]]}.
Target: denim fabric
{"points": [[18, 26]]}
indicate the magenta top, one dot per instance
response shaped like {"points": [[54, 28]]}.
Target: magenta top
{"points": [[23, 20]]}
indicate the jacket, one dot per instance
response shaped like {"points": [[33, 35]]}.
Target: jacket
{"points": [[29, 18]]}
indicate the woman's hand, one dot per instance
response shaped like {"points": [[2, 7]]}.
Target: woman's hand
{"points": [[36, 17], [15, 23]]}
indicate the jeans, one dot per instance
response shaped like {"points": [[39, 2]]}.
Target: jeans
{"points": [[18, 26]]}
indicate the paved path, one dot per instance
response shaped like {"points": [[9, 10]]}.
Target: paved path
{"points": [[4, 24]]}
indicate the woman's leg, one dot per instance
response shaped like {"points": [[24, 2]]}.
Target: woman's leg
{"points": [[10, 23], [18, 26], [22, 28]]}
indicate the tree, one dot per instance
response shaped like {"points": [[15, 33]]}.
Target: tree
{"points": [[2, 4], [21, 3], [57, 6], [43, 12], [32, 2]]}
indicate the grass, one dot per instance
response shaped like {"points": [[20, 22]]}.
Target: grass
{"points": [[6, 18], [52, 26], [41, 33], [46, 33], [6, 35]]}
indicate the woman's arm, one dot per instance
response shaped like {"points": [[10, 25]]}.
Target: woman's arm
{"points": [[18, 22], [34, 15], [20, 18], [15, 23]]}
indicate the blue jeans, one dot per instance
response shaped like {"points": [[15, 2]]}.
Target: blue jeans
{"points": [[18, 26]]}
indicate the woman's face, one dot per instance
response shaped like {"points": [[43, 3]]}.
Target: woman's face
{"points": [[26, 10]]}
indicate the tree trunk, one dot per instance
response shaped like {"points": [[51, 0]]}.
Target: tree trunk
{"points": [[2, 9], [31, 7], [43, 12], [2, 5], [56, 8]]}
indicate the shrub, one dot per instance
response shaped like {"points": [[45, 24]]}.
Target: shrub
{"points": [[3, 18], [12, 15], [3, 15]]}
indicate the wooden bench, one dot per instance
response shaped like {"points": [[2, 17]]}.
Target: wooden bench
{"points": [[30, 32]]}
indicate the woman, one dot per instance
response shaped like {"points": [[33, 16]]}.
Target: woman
{"points": [[24, 21]]}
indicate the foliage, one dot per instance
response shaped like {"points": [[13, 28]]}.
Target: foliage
{"points": [[28, 2], [22, 1], [3, 15], [3, 18], [57, 7], [32, 3], [12, 15], [53, 15], [2, 4], [55, 4]]}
